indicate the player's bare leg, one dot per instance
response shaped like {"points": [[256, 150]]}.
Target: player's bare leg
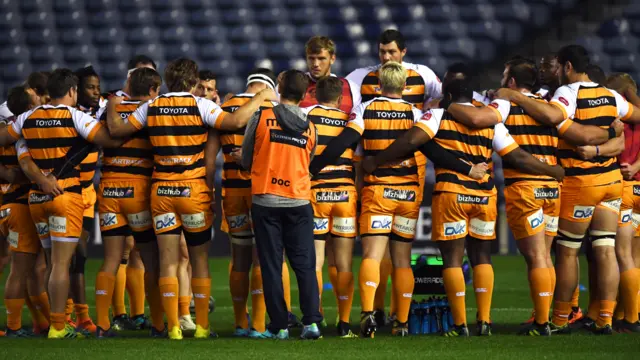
{"points": [[83, 320], [184, 281]]}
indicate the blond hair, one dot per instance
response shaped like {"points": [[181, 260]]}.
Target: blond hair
{"points": [[619, 81], [393, 77]]}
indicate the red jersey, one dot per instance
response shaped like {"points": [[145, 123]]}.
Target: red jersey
{"points": [[310, 97], [631, 146]]}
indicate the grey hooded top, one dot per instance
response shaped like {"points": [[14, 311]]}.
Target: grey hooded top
{"points": [[292, 119]]}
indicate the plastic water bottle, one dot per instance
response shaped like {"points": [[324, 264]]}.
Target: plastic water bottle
{"points": [[425, 320], [449, 313], [434, 329], [415, 315], [437, 304], [445, 314]]}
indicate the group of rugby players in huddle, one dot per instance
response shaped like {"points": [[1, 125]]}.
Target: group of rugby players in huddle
{"points": [[570, 168]]}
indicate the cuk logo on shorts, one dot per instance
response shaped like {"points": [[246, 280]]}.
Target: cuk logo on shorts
{"points": [[381, 222], [35, 198], [625, 216], [536, 219], [238, 221], [13, 238], [320, 224], [612, 204], [108, 219], [478, 200], [193, 221], [57, 224], [139, 220], [399, 195], [551, 223], [171, 191], [344, 225], [482, 228], [117, 193], [164, 221], [42, 228], [583, 212], [332, 196], [455, 228], [546, 193]]}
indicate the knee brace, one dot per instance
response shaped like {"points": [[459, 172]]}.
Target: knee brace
{"points": [[570, 240], [77, 263], [602, 238]]}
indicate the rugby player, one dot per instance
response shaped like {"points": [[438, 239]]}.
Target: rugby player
{"points": [[56, 208], [464, 208], [236, 207], [422, 86], [548, 76], [135, 62], [592, 190], [532, 202], [180, 197], [207, 86], [334, 198], [124, 208], [22, 282]]}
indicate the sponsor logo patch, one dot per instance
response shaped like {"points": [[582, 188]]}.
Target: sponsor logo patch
{"points": [[399, 195], [13, 238], [332, 196], [612, 204], [583, 212], [42, 228], [35, 198], [468, 199], [546, 193], [482, 228], [404, 225], [193, 221], [536, 219], [320, 224], [344, 225], [57, 224], [108, 219], [238, 221], [551, 223], [564, 101], [139, 220], [170, 191], [118, 193], [164, 221], [380, 222], [625, 216], [455, 228]]}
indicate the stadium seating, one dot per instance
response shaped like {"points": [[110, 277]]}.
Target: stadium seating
{"points": [[231, 36]]}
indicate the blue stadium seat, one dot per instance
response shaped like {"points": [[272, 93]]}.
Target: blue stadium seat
{"points": [[601, 59], [401, 14], [72, 19], [233, 84], [41, 37], [485, 51], [512, 33], [113, 52], [15, 72], [169, 18], [207, 17], [476, 12], [12, 37], [424, 47], [513, 11], [355, 31], [95, 6], [443, 13], [359, 62], [614, 27], [244, 33], [250, 50], [67, 6], [592, 43], [540, 15], [274, 16], [109, 72], [227, 67], [284, 49], [29, 6], [437, 64], [109, 35], [143, 35], [79, 53], [348, 48], [178, 50], [449, 30], [133, 5], [266, 4], [239, 16], [620, 45], [162, 5], [278, 33], [137, 18], [154, 51], [213, 50], [635, 27], [491, 30], [462, 47], [39, 20], [104, 19], [232, 4], [633, 10], [625, 63], [208, 35], [339, 31], [46, 54], [78, 36], [415, 30], [197, 4], [297, 4], [302, 15], [13, 53], [175, 35], [10, 20], [8, 6]]}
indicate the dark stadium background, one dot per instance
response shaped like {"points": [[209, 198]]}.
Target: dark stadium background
{"points": [[230, 37]]}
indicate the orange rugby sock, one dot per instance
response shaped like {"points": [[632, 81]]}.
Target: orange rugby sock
{"points": [[605, 316], [135, 289], [403, 292], [258, 306], [345, 295], [14, 313], [483, 279], [183, 305], [552, 277], [594, 308], [541, 293], [386, 268], [117, 300], [333, 279], [104, 291], [58, 320], [155, 301], [286, 285], [68, 309], [82, 313], [368, 280], [239, 288], [561, 311], [575, 298], [455, 288], [169, 294], [201, 293], [629, 287]]}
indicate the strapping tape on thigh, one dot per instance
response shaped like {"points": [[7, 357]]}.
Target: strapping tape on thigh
{"points": [[570, 240]]}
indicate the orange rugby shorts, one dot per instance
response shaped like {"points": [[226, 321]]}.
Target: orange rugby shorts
{"points": [[389, 210], [334, 210], [532, 208], [453, 216]]}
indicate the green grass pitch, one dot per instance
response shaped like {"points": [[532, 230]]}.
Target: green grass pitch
{"points": [[511, 305]]}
